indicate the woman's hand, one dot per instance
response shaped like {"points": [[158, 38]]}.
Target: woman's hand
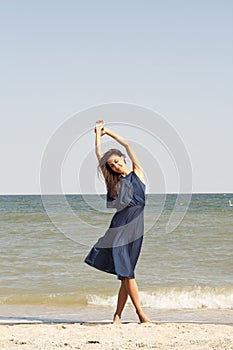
{"points": [[99, 127]]}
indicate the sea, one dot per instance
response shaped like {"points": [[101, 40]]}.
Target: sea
{"points": [[184, 274]]}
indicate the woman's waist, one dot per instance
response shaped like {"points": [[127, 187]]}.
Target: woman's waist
{"points": [[132, 206]]}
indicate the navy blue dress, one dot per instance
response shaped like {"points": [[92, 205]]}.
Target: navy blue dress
{"points": [[118, 250]]}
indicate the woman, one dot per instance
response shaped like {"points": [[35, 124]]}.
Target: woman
{"points": [[118, 250]]}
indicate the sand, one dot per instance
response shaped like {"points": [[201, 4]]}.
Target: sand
{"points": [[162, 336]]}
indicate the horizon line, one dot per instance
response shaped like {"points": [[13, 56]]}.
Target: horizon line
{"points": [[97, 194]]}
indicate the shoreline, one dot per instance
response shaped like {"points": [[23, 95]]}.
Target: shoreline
{"points": [[103, 323], [17, 321], [106, 336], [27, 314]]}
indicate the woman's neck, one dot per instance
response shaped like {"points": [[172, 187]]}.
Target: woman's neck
{"points": [[125, 172]]}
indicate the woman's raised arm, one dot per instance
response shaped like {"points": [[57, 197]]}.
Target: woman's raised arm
{"points": [[99, 131], [137, 168]]}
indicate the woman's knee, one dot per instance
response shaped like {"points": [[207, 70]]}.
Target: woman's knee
{"points": [[127, 281]]}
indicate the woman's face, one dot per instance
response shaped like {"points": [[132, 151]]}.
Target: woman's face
{"points": [[117, 163]]}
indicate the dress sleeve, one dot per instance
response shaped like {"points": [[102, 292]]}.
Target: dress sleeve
{"points": [[124, 196]]}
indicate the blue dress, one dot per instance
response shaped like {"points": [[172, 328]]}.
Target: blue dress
{"points": [[118, 250]]}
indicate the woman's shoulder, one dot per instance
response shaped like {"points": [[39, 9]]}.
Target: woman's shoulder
{"points": [[134, 175], [139, 176]]}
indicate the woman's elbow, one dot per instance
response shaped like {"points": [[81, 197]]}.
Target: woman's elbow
{"points": [[127, 144]]}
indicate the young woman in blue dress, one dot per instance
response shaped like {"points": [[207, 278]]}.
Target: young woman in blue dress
{"points": [[121, 259]]}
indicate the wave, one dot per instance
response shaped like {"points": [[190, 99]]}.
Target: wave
{"points": [[177, 298], [169, 298], [55, 299]]}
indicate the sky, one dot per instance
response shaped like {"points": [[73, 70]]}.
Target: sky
{"points": [[58, 58]]}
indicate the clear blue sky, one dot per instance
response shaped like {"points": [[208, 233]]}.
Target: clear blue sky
{"points": [[59, 57]]}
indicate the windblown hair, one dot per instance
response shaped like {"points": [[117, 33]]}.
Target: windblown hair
{"points": [[110, 176]]}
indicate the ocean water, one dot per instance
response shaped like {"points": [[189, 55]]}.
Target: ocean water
{"points": [[184, 275]]}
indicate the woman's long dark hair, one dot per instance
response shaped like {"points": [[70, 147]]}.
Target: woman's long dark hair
{"points": [[110, 176]]}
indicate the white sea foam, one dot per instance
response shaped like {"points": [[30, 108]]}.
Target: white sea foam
{"points": [[177, 298]]}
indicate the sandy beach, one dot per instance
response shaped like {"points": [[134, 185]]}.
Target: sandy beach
{"points": [[163, 336]]}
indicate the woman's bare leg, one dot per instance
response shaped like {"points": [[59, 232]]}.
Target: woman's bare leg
{"points": [[132, 289], [122, 298]]}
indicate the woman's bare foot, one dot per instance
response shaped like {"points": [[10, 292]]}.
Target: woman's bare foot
{"points": [[116, 319], [143, 318]]}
